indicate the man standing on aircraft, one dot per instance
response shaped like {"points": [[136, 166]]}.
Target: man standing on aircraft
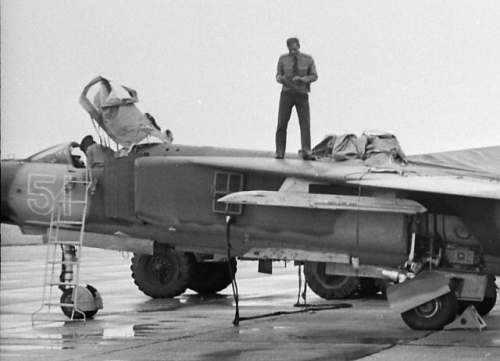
{"points": [[96, 153], [296, 71]]}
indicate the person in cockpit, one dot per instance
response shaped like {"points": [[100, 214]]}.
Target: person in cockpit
{"points": [[96, 153]]}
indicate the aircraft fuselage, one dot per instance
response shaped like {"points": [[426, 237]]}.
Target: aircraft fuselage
{"points": [[146, 194]]}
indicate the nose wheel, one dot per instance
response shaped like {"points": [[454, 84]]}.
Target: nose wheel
{"points": [[80, 302], [432, 315]]}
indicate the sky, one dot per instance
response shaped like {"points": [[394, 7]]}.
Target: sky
{"points": [[427, 71]]}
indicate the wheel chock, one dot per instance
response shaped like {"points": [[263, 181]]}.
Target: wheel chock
{"points": [[469, 319]]}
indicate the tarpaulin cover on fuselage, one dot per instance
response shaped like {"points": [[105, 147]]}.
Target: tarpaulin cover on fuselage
{"points": [[372, 147], [375, 148]]}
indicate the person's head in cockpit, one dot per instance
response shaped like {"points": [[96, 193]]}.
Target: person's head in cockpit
{"points": [[86, 142]]}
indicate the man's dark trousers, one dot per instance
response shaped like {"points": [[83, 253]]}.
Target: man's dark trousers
{"points": [[288, 100]]}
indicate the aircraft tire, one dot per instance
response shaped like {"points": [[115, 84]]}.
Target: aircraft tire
{"points": [[486, 305], [326, 286], [432, 315], [212, 277], [67, 297], [163, 275]]}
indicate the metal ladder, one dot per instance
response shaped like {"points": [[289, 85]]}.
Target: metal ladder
{"points": [[71, 249]]}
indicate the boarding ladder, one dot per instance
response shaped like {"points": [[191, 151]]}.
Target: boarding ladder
{"points": [[68, 279]]}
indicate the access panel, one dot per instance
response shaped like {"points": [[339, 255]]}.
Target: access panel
{"points": [[175, 193]]}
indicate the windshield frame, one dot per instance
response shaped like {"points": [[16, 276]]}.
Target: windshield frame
{"points": [[57, 154]]}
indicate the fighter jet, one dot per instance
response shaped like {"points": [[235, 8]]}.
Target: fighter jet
{"points": [[426, 227]]}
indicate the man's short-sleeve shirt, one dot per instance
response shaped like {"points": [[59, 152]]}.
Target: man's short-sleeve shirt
{"points": [[305, 68]]}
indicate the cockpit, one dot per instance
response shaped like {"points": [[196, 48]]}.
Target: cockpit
{"points": [[65, 153]]}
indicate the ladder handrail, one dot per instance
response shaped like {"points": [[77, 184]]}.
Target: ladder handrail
{"points": [[53, 236]]}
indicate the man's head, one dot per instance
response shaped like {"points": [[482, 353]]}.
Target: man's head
{"points": [[293, 46], [86, 142]]}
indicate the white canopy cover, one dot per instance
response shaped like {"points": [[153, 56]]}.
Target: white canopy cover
{"points": [[115, 112]]}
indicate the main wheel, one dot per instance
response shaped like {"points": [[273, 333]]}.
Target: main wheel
{"points": [[432, 315], [212, 277], [327, 286], [486, 305], [163, 275], [67, 298]]}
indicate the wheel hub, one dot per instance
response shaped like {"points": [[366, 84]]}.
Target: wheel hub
{"points": [[160, 268], [330, 280], [429, 309]]}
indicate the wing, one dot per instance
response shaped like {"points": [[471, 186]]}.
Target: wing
{"points": [[419, 178], [478, 161], [452, 185]]}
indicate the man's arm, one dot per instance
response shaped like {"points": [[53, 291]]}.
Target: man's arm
{"points": [[280, 72], [312, 75]]}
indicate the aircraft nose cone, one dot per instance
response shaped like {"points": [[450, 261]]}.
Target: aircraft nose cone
{"points": [[9, 170]]}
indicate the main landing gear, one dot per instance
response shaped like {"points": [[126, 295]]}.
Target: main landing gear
{"points": [[335, 287], [168, 274], [432, 315]]}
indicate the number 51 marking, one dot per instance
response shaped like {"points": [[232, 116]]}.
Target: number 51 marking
{"points": [[42, 191]]}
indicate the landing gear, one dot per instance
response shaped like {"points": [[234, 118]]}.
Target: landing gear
{"points": [[327, 286], [432, 315], [212, 277], [486, 305], [88, 302], [382, 285], [367, 287], [68, 255], [163, 275], [483, 308]]}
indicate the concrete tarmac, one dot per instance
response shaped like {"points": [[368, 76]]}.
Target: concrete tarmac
{"points": [[133, 326]]}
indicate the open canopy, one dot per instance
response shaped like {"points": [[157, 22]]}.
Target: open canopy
{"points": [[114, 110]]}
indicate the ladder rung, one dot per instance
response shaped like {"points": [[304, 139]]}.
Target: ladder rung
{"points": [[60, 283], [54, 239], [65, 243], [71, 201], [68, 222], [59, 304], [71, 181], [67, 263]]}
